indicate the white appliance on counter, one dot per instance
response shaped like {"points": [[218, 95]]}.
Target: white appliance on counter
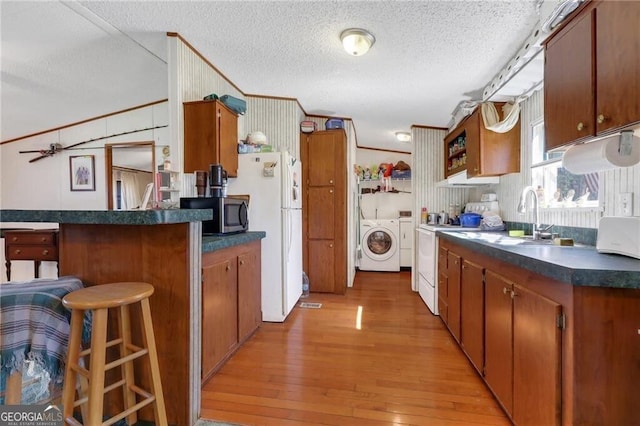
{"points": [[619, 235], [428, 254], [273, 182]]}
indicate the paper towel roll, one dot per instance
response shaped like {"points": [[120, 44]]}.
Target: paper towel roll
{"points": [[600, 155]]}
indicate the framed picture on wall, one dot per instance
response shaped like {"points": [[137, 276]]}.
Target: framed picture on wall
{"points": [[82, 173]]}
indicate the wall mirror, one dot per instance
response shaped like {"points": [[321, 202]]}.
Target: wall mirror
{"points": [[130, 166]]}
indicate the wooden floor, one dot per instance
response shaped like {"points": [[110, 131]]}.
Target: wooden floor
{"points": [[401, 367]]}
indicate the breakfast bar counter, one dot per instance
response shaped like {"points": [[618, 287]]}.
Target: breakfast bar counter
{"points": [[163, 248]]}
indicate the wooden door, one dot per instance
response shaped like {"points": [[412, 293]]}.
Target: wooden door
{"points": [[617, 64], [498, 363], [453, 273], [568, 84], [219, 312], [321, 266], [249, 293], [322, 153], [472, 313], [537, 359], [321, 217], [227, 140]]}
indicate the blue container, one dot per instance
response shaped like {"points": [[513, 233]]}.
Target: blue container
{"points": [[470, 219], [334, 123]]}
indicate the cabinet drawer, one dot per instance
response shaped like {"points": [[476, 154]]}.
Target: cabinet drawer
{"points": [[44, 238], [19, 252]]}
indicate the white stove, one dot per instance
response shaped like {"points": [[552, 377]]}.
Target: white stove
{"points": [[428, 253]]}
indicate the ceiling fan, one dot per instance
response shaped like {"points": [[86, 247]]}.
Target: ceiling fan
{"points": [[54, 148]]}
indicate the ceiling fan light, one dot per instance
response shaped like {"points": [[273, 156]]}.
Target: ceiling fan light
{"points": [[403, 136], [357, 41]]}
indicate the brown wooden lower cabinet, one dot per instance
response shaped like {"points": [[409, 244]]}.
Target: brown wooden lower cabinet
{"points": [[554, 353], [498, 335], [322, 268], [443, 284], [472, 313], [231, 302], [453, 290], [523, 351]]}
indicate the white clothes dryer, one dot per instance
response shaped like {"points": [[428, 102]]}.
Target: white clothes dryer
{"points": [[380, 245]]}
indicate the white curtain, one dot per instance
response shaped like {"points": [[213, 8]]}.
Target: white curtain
{"points": [[491, 118], [130, 194]]}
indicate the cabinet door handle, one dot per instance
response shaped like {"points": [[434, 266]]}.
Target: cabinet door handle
{"points": [[45, 252], [580, 126], [14, 239], [513, 294], [18, 251], [242, 262], [331, 181], [602, 118], [505, 290], [43, 239], [330, 245], [331, 191], [228, 267]]}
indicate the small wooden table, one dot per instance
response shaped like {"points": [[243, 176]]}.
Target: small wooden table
{"points": [[30, 244]]}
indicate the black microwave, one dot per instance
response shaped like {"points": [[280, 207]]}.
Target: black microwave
{"points": [[230, 214]]}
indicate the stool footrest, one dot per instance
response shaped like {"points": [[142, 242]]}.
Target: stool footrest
{"points": [[107, 345], [131, 410], [72, 421], [127, 358]]}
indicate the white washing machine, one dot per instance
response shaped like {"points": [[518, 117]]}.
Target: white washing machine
{"points": [[380, 245]]}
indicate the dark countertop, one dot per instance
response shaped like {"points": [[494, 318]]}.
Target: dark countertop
{"points": [[214, 243], [107, 217], [579, 265]]}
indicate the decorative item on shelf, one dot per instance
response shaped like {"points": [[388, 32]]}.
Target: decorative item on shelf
{"points": [[255, 142], [308, 126], [334, 123]]}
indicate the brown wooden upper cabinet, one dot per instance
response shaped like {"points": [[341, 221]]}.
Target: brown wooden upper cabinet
{"points": [[210, 136], [591, 73], [479, 151]]}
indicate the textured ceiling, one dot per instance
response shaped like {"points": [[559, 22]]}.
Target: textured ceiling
{"points": [[67, 61]]}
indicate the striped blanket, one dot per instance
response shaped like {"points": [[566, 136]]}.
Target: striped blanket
{"points": [[34, 325]]}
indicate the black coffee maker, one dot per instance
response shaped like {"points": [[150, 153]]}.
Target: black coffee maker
{"points": [[217, 181]]}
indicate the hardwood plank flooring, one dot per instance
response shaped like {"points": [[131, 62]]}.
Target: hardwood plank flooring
{"points": [[401, 367]]}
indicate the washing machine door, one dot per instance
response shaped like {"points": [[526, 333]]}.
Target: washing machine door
{"points": [[379, 244]]}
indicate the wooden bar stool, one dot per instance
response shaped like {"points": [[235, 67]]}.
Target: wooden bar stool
{"points": [[91, 395]]}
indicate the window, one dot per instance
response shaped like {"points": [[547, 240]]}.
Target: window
{"points": [[556, 187]]}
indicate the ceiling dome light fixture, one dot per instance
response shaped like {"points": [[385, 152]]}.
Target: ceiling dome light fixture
{"points": [[403, 136], [357, 41]]}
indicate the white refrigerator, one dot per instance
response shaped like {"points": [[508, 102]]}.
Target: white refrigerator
{"points": [[273, 182]]}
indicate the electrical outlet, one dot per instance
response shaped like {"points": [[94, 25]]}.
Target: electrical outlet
{"points": [[625, 203]]}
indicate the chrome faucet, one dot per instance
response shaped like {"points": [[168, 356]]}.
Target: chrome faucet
{"points": [[522, 208]]}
